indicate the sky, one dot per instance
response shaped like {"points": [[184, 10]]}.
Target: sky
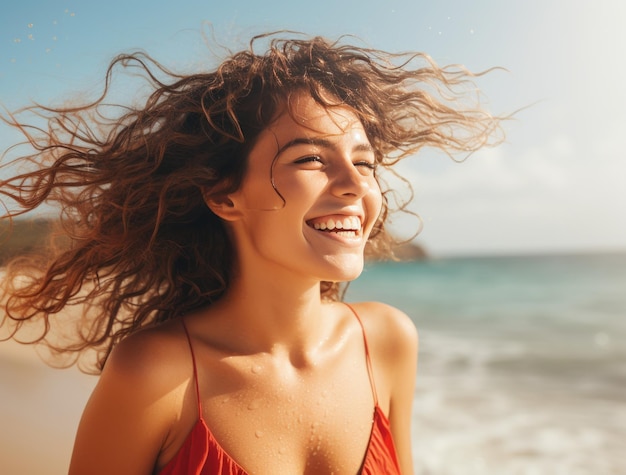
{"points": [[555, 185]]}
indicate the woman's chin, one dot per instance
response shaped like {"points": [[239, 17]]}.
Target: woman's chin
{"points": [[345, 268]]}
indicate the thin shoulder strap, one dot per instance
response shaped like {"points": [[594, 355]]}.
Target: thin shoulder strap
{"points": [[368, 360], [195, 369]]}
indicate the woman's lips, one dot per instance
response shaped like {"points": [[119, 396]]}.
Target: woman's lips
{"points": [[336, 223]]}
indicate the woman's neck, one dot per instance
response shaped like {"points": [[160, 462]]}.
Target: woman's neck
{"points": [[272, 314]]}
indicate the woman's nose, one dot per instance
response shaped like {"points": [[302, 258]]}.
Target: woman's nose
{"points": [[348, 181]]}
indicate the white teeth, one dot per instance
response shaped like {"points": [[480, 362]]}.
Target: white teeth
{"points": [[351, 223]]}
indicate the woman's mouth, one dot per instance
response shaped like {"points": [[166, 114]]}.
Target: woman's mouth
{"points": [[341, 225]]}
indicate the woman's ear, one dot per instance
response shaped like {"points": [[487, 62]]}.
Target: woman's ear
{"points": [[222, 206]]}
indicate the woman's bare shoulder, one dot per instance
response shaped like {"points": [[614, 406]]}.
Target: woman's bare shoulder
{"points": [[387, 327], [152, 367], [136, 404], [152, 353], [393, 342]]}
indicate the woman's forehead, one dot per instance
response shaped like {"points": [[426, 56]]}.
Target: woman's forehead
{"points": [[304, 116], [306, 122]]}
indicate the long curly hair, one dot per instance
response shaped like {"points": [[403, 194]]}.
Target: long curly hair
{"points": [[136, 244]]}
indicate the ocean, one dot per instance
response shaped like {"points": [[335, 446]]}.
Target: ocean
{"points": [[522, 365]]}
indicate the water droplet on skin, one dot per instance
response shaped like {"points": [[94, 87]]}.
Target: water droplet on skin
{"points": [[254, 405], [258, 434], [282, 450], [300, 419], [256, 369]]}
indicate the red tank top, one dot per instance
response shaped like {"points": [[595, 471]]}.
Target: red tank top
{"points": [[201, 453]]}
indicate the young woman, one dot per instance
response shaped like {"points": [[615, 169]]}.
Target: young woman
{"points": [[206, 234]]}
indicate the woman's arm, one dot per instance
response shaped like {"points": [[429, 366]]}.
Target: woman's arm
{"points": [[130, 412]]}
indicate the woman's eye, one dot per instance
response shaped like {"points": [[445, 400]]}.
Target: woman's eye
{"points": [[309, 159], [366, 164]]}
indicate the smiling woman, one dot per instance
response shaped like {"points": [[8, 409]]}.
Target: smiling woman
{"points": [[322, 175], [207, 235]]}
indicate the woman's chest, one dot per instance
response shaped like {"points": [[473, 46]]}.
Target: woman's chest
{"points": [[277, 420]]}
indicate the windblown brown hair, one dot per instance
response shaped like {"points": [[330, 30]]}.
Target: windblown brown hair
{"points": [[139, 245]]}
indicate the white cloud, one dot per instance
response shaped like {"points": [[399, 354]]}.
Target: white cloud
{"points": [[547, 197]]}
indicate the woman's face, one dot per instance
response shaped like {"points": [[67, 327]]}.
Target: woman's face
{"points": [[322, 164]]}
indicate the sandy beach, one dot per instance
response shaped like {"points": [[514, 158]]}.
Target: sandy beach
{"points": [[39, 412]]}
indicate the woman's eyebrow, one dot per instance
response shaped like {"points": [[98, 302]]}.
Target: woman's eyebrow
{"points": [[322, 142]]}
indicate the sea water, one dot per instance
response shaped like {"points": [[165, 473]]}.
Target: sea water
{"points": [[522, 365]]}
